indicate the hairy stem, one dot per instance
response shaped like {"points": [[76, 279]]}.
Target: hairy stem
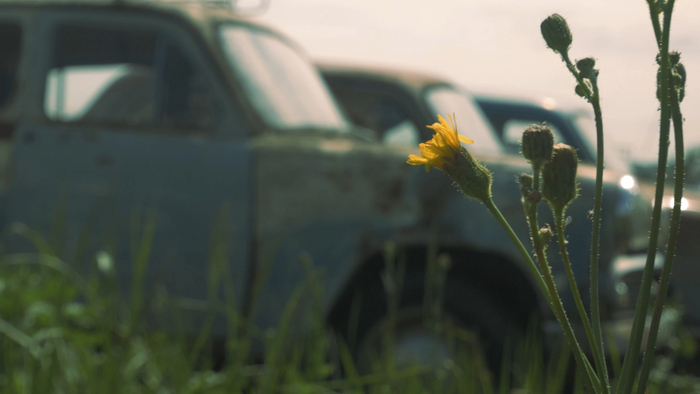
{"points": [[598, 355], [594, 98], [589, 376], [555, 302], [595, 234], [632, 353], [674, 227], [491, 206], [670, 251], [654, 14]]}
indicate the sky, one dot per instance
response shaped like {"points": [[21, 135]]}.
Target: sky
{"points": [[495, 47]]}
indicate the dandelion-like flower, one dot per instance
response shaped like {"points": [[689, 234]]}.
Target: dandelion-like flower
{"points": [[442, 149], [445, 152]]}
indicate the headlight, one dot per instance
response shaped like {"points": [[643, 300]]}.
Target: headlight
{"points": [[684, 203], [628, 182], [627, 196], [632, 215]]}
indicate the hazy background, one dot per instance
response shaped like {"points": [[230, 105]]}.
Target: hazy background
{"points": [[495, 47]]}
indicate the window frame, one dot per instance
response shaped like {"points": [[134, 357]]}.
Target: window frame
{"points": [[240, 89], [362, 84], [10, 112], [228, 119]]}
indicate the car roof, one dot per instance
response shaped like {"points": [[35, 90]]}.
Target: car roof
{"points": [[515, 103], [415, 81], [542, 105], [199, 13]]}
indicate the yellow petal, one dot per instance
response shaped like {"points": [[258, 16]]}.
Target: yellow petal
{"points": [[453, 122], [416, 160], [465, 139], [434, 126]]}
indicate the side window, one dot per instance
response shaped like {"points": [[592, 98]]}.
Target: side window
{"points": [[10, 47], [380, 113], [124, 77]]}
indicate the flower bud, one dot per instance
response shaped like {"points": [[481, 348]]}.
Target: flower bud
{"points": [[679, 70], [580, 90], [525, 181], [674, 57], [472, 178], [545, 234], [658, 84], [586, 68], [556, 33], [537, 145], [534, 197], [559, 178]]}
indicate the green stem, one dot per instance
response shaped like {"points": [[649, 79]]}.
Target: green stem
{"points": [[556, 304], [491, 206], [594, 98], [595, 234], [673, 232], [654, 14], [671, 248], [632, 353], [597, 353], [587, 92]]}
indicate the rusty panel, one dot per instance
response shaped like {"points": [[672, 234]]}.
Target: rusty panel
{"points": [[321, 196]]}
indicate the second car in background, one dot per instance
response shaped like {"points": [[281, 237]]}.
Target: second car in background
{"points": [[397, 105]]}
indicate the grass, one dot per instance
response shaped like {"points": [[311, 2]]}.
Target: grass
{"points": [[62, 331]]}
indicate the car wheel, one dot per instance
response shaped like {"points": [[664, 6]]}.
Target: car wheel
{"points": [[472, 322]]}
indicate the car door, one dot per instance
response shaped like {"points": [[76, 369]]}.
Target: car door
{"points": [[133, 131]]}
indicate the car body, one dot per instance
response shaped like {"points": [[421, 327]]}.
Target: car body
{"points": [[366, 92]]}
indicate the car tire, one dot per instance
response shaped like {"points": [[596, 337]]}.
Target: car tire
{"points": [[467, 308]]}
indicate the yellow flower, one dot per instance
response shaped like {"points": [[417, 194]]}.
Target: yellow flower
{"points": [[442, 148]]}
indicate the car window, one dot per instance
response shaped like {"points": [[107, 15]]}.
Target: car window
{"points": [[125, 77], [403, 134], [283, 85], [10, 47], [470, 121], [371, 106]]}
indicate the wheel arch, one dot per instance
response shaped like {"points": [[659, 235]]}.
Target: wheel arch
{"points": [[491, 272]]}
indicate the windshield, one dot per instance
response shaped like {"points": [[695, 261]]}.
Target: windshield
{"points": [[282, 85], [471, 123]]}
